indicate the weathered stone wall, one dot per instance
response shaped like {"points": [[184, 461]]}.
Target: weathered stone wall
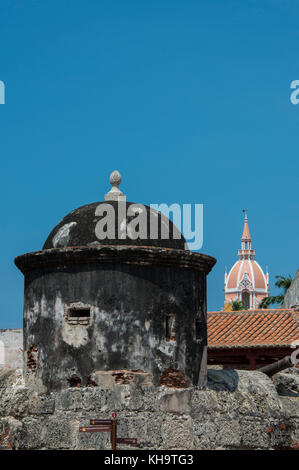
{"points": [[291, 298], [239, 410], [11, 348], [101, 308]]}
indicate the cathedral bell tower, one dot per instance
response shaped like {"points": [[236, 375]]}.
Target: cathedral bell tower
{"points": [[246, 281]]}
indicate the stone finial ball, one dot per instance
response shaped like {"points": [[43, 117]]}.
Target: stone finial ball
{"points": [[115, 178]]}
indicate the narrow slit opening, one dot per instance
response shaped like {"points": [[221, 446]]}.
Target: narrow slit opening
{"points": [[169, 328]]}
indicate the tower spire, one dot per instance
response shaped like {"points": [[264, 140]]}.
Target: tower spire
{"points": [[246, 234], [246, 250]]}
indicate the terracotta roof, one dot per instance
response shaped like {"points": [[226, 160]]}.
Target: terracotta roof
{"points": [[252, 328]]}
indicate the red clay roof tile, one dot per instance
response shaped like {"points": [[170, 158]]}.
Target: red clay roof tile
{"points": [[252, 328]]}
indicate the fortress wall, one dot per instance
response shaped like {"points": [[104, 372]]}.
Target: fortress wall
{"points": [[238, 410]]}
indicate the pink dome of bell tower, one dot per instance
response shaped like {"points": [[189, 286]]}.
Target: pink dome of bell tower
{"points": [[246, 280]]}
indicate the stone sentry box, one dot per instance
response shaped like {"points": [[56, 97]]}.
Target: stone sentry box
{"points": [[119, 308]]}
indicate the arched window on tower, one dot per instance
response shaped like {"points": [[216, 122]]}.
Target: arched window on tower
{"points": [[246, 299]]}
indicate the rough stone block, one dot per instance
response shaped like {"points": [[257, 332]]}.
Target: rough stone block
{"points": [[205, 433], [40, 405], [176, 401], [290, 406], [255, 383], [227, 433], [281, 435], [142, 398], [13, 394], [93, 399], [57, 433], [255, 433], [204, 404], [69, 399], [177, 433], [218, 433], [30, 435], [90, 440]]}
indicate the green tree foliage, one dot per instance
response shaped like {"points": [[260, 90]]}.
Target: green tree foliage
{"points": [[282, 283], [238, 305]]}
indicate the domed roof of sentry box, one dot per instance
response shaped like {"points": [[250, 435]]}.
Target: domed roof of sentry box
{"points": [[81, 226]]}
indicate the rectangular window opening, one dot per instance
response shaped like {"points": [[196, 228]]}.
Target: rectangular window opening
{"points": [[79, 313]]}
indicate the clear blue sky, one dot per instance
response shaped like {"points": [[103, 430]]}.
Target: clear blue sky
{"points": [[189, 100]]}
